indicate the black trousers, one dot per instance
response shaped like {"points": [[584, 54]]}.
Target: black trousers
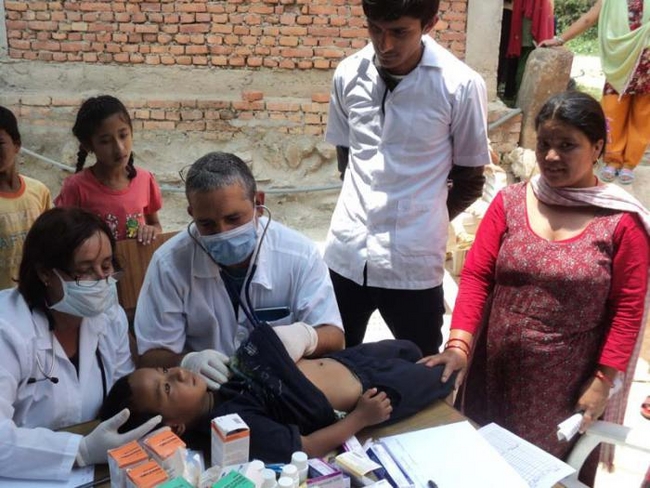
{"points": [[390, 366], [415, 315]]}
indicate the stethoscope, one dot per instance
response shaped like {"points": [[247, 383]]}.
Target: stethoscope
{"points": [[247, 308], [54, 379]]}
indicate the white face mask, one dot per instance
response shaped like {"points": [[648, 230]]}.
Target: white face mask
{"points": [[86, 301], [233, 246]]}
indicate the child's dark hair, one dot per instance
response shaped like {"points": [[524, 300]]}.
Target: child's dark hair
{"points": [[90, 116], [388, 10], [9, 124], [578, 110], [119, 398]]}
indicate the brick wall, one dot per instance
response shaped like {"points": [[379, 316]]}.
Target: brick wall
{"points": [[285, 34], [505, 128], [220, 118]]}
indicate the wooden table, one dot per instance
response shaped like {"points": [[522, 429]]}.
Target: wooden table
{"points": [[438, 413]]}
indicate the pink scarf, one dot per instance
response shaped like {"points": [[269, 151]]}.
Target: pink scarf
{"points": [[603, 195]]}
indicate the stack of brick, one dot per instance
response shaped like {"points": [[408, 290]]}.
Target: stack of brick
{"points": [[220, 119], [285, 34]]}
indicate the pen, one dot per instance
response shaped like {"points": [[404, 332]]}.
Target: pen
{"points": [[431, 484]]}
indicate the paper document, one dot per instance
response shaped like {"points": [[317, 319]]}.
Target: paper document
{"points": [[452, 456], [533, 464], [567, 429], [78, 476]]}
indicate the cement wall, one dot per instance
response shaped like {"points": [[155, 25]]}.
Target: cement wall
{"points": [[186, 101]]}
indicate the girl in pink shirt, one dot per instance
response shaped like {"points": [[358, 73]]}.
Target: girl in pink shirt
{"points": [[126, 197]]}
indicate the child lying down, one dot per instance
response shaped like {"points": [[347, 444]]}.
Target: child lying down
{"points": [[288, 406]]}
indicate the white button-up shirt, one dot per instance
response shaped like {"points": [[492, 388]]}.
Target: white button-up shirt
{"points": [[28, 448], [391, 214], [184, 304]]}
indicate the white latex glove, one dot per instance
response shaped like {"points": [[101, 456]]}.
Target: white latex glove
{"points": [[299, 339], [93, 447], [210, 364]]}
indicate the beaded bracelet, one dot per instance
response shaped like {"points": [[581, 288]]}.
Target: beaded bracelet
{"points": [[451, 346], [559, 40], [601, 376]]}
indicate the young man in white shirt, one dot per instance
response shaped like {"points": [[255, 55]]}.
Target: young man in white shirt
{"points": [[407, 117], [206, 288]]}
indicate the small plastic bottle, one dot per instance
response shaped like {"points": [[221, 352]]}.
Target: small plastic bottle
{"points": [[268, 479], [299, 460], [291, 471], [256, 465], [286, 482]]}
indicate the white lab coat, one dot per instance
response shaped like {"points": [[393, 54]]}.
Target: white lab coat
{"points": [[29, 413], [184, 305], [389, 227]]}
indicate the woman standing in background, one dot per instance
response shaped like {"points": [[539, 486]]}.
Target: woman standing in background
{"points": [[624, 39]]}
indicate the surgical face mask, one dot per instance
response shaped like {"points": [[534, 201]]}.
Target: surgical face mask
{"points": [[232, 246], [86, 301]]}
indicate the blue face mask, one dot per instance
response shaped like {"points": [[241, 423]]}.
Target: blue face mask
{"points": [[233, 246]]}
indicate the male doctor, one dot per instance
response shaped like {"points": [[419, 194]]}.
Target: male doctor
{"points": [[206, 288]]}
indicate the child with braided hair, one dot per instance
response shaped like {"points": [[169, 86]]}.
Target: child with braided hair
{"points": [[125, 197]]}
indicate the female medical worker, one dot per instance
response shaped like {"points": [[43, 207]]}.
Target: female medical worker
{"points": [[63, 343]]}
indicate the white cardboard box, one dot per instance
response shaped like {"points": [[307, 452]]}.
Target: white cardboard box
{"points": [[230, 440]]}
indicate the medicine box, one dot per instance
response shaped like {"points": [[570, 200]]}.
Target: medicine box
{"points": [[163, 444], [390, 470], [230, 440], [234, 480], [146, 475], [176, 483], [168, 450], [119, 459]]}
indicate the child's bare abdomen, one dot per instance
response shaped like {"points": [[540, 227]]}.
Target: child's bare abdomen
{"points": [[338, 383]]}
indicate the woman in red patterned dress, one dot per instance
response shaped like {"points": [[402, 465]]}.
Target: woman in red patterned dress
{"points": [[552, 294]]}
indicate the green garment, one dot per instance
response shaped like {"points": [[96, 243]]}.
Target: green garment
{"points": [[621, 48]]}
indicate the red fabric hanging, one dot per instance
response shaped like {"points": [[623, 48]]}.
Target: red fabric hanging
{"points": [[541, 14]]}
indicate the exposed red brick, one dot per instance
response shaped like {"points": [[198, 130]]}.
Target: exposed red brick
{"points": [[252, 95], [320, 97], [238, 34], [158, 125]]}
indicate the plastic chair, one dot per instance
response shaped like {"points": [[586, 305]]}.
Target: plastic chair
{"points": [[606, 432]]}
